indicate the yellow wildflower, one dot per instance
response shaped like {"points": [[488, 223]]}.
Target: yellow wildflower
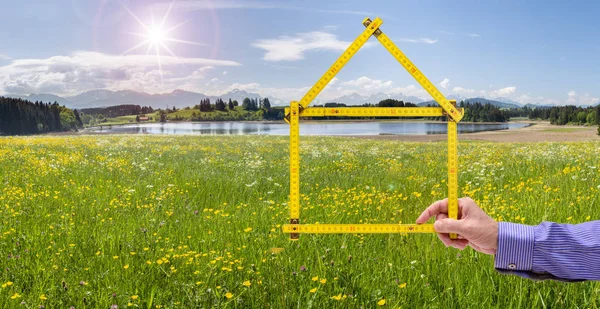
{"points": [[337, 297], [323, 281], [403, 285], [315, 278], [381, 302], [246, 283], [43, 297], [228, 295], [126, 266], [134, 297], [15, 296], [313, 290]]}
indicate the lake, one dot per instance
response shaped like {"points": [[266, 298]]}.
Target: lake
{"points": [[307, 128]]}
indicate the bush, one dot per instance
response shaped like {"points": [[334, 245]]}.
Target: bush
{"points": [[598, 129]]}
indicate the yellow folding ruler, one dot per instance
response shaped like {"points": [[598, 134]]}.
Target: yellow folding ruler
{"points": [[301, 109]]}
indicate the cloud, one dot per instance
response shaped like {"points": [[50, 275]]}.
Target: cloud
{"points": [[503, 92], [574, 99], [4, 57], [293, 48], [224, 73], [84, 70], [474, 35], [419, 40], [444, 83]]}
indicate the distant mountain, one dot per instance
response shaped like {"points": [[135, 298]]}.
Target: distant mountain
{"points": [[104, 98], [42, 97], [358, 99], [531, 105], [496, 103], [493, 102], [507, 100]]}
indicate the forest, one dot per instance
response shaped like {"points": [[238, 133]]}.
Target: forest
{"points": [[21, 117]]}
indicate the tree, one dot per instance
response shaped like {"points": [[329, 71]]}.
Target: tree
{"points": [[598, 114], [78, 119], [137, 118], [163, 116], [220, 105], [235, 103], [247, 104], [230, 105], [265, 103]]}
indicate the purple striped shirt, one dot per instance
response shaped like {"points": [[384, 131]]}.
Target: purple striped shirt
{"points": [[550, 250]]}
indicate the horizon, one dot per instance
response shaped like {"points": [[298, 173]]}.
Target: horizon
{"points": [[72, 47]]}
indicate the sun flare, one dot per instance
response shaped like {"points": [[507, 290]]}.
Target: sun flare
{"points": [[156, 37]]}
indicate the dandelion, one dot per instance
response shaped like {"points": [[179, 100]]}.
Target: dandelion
{"points": [[323, 281], [313, 290], [381, 302], [315, 278], [126, 266], [134, 297], [248, 229], [228, 295], [403, 285], [15, 296], [43, 297], [247, 283]]}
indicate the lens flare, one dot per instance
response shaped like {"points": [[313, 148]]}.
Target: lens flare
{"points": [[156, 37]]}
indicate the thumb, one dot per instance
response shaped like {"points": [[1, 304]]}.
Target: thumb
{"points": [[449, 226]]}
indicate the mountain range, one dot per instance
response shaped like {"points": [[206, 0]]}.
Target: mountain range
{"points": [[104, 98], [181, 98]]}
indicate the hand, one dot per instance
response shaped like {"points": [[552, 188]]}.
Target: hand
{"points": [[475, 227]]}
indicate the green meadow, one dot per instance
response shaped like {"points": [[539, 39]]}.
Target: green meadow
{"points": [[195, 222]]}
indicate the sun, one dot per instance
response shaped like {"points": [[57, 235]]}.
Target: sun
{"points": [[156, 37]]}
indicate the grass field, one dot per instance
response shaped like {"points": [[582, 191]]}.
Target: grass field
{"points": [[182, 222]]}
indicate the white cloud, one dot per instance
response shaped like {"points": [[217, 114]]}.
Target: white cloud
{"points": [[292, 48], [83, 70], [474, 35], [503, 92], [444, 83], [4, 57], [586, 99], [224, 72], [419, 40]]}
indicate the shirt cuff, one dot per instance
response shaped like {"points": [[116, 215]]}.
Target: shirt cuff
{"points": [[515, 247]]}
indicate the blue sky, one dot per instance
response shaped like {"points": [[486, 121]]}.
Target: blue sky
{"points": [[519, 50]]}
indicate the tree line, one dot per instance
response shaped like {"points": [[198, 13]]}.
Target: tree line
{"points": [[118, 110], [22, 117], [561, 115]]}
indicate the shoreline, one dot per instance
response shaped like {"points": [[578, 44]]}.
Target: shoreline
{"points": [[536, 131]]}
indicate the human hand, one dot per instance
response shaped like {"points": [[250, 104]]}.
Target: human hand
{"points": [[474, 227]]}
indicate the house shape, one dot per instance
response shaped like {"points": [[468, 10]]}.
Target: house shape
{"points": [[301, 109]]}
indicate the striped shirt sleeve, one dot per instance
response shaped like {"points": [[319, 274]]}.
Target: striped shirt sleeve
{"points": [[563, 252]]}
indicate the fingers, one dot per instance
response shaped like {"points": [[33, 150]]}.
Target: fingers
{"points": [[449, 226], [433, 210], [456, 243]]}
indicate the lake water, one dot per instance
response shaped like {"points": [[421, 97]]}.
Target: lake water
{"points": [[310, 128]]}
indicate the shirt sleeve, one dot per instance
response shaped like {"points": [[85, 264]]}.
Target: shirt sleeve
{"points": [[550, 250]]}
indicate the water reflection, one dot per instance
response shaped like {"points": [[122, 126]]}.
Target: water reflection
{"points": [[339, 128]]}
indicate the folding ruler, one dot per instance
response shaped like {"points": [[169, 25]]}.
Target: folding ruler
{"points": [[301, 109]]}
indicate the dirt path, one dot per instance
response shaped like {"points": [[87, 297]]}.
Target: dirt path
{"points": [[539, 132]]}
